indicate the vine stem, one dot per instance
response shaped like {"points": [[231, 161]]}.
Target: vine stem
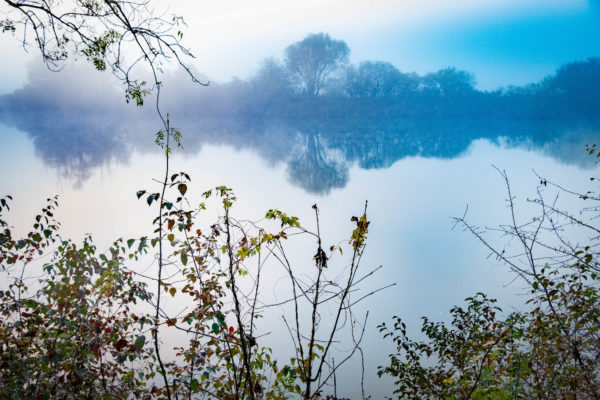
{"points": [[160, 263]]}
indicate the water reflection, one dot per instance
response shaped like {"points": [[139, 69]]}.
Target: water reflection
{"points": [[73, 130], [77, 132], [76, 153]]}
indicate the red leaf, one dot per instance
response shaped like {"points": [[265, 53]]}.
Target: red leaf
{"points": [[97, 350], [120, 344]]}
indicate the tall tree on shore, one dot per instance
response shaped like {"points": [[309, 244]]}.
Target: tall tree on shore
{"points": [[314, 59]]}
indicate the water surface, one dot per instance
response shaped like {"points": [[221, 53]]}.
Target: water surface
{"points": [[416, 174]]}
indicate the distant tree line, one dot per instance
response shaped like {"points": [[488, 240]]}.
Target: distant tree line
{"points": [[315, 81], [319, 114]]}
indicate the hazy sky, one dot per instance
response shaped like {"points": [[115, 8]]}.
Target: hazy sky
{"points": [[502, 42]]}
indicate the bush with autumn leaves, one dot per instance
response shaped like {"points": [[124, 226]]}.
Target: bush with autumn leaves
{"points": [[77, 323]]}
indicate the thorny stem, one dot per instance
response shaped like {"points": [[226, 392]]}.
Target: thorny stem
{"points": [[288, 267], [192, 363], [255, 293], [483, 360], [538, 278], [356, 256], [533, 275], [351, 354], [321, 262], [245, 348]]}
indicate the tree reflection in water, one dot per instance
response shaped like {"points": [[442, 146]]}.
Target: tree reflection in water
{"points": [[78, 131], [315, 168]]}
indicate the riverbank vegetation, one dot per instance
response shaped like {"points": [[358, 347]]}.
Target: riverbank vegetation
{"points": [[549, 349], [77, 323]]}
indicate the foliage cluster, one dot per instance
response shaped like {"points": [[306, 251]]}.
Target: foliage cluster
{"points": [[75, 335], [86, 324], [548, 351]]}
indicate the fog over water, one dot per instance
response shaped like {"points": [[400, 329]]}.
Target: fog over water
{"points": [[419, 147], [318, 140]]}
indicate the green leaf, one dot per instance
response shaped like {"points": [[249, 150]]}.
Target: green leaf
{"points": [[150, 199], [220, 317], [139, 342], [130, 242], [30, 303], [215, 328], [194, 385], [140, 193], [142, 244]]}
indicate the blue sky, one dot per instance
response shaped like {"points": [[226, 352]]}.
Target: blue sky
{"points": [[502, 42], [516, 48]]}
